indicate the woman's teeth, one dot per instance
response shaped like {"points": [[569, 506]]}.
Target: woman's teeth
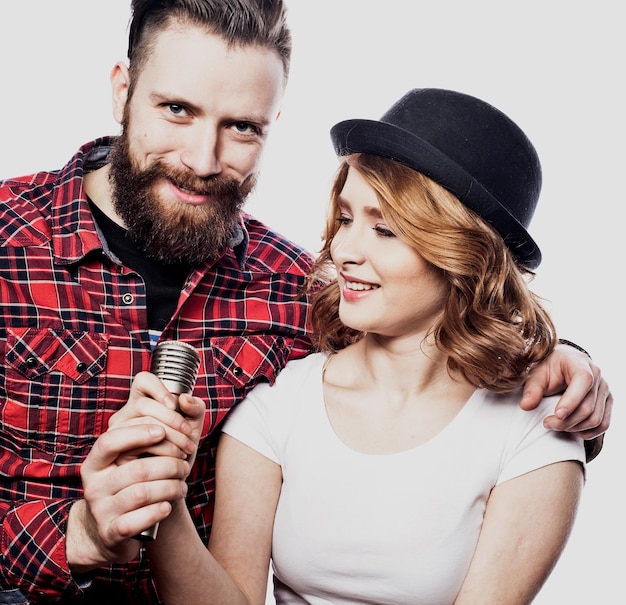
{"points": [[354, 285]]}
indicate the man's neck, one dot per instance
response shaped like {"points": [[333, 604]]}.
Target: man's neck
{"points": [[98, 190]]}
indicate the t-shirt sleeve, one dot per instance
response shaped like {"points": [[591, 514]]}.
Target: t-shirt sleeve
{"points": [[264, 419], [251, 422], [531, 446]]}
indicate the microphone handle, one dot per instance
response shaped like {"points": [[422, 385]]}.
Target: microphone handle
{"points": [[176, 363]]}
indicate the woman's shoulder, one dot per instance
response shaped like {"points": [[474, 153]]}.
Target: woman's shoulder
{"points": [[524, 443], [298, 378], [267, 418], [508, 404]]}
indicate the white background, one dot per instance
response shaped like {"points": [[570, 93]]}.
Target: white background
{"points": [[556, 68]]}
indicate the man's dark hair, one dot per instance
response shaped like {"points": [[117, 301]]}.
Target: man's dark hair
{"points": [[259, 23]]}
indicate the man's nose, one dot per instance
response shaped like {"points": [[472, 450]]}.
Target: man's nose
{"points": [[201, 152]]}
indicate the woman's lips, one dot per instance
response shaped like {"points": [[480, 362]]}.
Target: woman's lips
{"points": [[353, 290]]}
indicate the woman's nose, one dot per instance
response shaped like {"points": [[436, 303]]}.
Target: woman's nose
{"points": [[348, 246]]}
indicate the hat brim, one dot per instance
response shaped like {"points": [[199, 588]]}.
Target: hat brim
{"points": [[389, 141]]}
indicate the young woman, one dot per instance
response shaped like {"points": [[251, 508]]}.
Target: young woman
{"points": [[395, 465]]}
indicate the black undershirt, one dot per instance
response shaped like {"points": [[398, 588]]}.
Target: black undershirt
{"points": [[164, 281]]}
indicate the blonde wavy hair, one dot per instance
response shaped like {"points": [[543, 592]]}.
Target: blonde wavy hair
{"points": [[494, 328]]}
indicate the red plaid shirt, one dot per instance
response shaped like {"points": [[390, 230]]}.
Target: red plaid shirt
{"points": [[73, 334]]}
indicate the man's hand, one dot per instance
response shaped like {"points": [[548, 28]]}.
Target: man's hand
{"points": [[125, 489], [121, 500], [181, 416], [586, 404]]}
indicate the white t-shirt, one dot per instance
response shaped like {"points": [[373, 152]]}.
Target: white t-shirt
{"points": [[384, 529]]}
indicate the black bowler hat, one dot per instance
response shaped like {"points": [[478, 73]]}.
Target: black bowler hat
{"points": [[467, 146]]}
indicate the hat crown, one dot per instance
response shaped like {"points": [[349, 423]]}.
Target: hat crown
{"points": [[481, 139], [466, 145]]}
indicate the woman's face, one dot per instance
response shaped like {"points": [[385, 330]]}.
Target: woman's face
{"points": [[387, 288]]}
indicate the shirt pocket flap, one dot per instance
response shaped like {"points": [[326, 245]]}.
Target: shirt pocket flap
{"points": [[247, 360], [34, 352]]}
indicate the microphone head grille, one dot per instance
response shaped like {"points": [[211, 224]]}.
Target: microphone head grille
{"points": [[176, 363]]}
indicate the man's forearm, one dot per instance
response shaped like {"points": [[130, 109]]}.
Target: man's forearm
{"points": [[33, 549]]}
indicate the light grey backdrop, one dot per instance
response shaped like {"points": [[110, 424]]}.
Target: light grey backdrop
{"points": [[556, 68]]}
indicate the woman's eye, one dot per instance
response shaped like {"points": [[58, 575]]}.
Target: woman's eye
{"points": [[384, 232], [343, 220]]}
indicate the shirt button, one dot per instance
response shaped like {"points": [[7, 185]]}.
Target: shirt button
{"points": [[237, 371], [81, 367], [31, 362], [128, 298]]}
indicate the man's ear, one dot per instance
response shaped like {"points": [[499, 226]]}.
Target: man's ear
{"points": [[120, 81]]}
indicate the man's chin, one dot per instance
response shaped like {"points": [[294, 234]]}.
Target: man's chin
{"points": [[193, 238], [172, 255]]}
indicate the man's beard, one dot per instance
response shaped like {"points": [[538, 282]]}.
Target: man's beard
{"points": [[171, 231]]}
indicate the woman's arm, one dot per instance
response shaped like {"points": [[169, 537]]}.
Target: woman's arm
{"points": [[527, 523], [235, 568]]}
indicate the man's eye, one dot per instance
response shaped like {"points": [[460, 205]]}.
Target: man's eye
{"points": [[176, 109], [246, 128]]}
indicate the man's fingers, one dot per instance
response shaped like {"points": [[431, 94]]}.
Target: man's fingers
{"points": [[584, 399], [129, 489], [181, 429], [155, 482], [149, 407], [134, 522], [533, 393], [192, 407], [173, 443], [113, 443], [162, 448], [145, 387], [586, 425]]}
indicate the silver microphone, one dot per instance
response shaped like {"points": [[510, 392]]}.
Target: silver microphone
{"points": [[176, 363]]}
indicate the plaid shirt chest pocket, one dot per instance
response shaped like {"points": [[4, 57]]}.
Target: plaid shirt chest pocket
{"points": [[54, 387]]}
